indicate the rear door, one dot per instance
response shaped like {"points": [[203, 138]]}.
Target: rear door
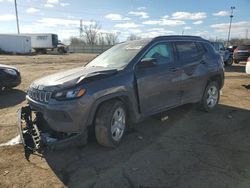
{"points": [[193, 70], [159, 85]]}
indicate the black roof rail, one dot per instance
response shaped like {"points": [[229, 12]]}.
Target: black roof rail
{"points": [[181, 36]]}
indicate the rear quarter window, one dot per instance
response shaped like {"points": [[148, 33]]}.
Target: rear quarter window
{"points": [[208, 47], [187, 51], [201, 48]]}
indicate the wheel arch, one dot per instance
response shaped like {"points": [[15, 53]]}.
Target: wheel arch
{"points": [[217, 78], [123, 97]]}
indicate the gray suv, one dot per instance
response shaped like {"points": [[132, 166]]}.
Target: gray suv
{"points": [[127, 83], [226, 55]]}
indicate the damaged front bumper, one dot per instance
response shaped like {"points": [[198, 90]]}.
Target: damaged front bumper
{"points": [[35, 137]]}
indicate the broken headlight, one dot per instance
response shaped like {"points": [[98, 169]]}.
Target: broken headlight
{"points": [[70, 94]]}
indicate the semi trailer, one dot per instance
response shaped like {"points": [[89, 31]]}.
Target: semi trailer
{"points": [[15, 44], [42, 42]]}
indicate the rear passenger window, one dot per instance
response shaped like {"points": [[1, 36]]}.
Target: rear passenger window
{"points": [[163, 53], [216, 46], [209, 47], [187, 50], [201, 49]]}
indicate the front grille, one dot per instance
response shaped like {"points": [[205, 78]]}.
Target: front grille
{"points": [[39, 95]]}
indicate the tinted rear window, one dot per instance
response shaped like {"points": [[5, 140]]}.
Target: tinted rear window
{"points": [[187, 50], [244, 47]]}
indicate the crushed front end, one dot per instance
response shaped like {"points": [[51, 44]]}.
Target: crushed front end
{"points": [[36, 135], [28, 129]]}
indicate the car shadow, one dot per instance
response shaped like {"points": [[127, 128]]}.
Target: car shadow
{"points": [[236, 68], [11, 97], [246, 86], [78, 166]]}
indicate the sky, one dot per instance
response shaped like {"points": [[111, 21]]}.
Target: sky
{"points": [[144, 18]]}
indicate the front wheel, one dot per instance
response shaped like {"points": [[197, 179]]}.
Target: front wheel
{"points": [[236, 61], [210, 97], [110, 123], [229, 62]]}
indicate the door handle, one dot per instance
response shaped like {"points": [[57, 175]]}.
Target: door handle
{"points": [[203, 62], [173, 69]]}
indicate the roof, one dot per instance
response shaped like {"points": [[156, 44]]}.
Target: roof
{"points": [[179, 37]]}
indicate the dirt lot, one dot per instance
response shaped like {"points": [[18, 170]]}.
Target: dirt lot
{"points": [[190, 149]]}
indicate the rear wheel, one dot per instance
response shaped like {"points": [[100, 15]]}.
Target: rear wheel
{"points": [[210, 97], [110, 123], [61, 50]]}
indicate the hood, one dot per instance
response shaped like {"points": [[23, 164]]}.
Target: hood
{"points": [[72, 77], [6, 67]]}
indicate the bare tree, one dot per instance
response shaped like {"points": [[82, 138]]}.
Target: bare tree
{"points": [[76, 41], [133, 37], [238, 41], [111, 38], [233, 41], [101, 39], [90, 33]]}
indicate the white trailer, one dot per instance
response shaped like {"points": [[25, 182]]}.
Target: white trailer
{"points": [[41, 42], [15, 43]]}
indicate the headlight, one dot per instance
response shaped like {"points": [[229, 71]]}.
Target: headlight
{"points": [[10, 71], [70, 94]]}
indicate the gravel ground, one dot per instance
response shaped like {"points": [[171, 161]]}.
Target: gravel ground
{"points": [[189, 149]]}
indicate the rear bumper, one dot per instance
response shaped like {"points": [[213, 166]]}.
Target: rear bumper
{"points": [[14, 82], [241, 57]]}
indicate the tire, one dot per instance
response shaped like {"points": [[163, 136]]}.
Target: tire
{"points": [[211, 97], [236, 61], [229, 62], [109, 130], [60, 50]]}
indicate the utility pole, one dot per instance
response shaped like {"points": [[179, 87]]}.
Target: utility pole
{"points": [[230, 24], [81, 29], [17, 21]]}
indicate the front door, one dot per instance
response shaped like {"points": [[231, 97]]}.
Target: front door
{"points": [[158, 85]]}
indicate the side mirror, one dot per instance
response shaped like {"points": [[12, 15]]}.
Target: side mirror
{"points": [[147, 62]]}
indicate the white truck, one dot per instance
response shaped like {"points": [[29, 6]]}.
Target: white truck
{"points": [[15, 44], [41, 42]]}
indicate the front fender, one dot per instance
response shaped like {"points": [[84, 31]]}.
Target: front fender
{"points": [[227, 56], [130, 102]]}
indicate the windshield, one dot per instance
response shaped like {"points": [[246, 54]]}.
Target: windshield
{"points": [[118, 56]]}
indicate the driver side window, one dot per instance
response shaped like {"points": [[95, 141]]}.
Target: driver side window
{"points": [[163, 53]]}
